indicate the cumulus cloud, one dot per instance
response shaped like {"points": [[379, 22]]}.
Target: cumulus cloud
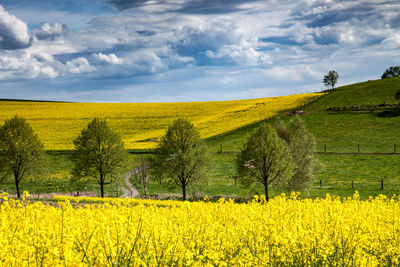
{"points": [[110, 59], [27, 66], [49, 32], [14, 32], [281, 42], [80, 65]]}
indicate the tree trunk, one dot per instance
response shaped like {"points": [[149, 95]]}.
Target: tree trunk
{"points": [[17, 185], [102, 188], [183, 192], [266, 191]]}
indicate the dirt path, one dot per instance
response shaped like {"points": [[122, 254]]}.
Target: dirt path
{"points": [[129, 190]]}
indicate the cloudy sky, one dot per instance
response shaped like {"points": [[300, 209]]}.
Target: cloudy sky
{"points": [[190, 50]]}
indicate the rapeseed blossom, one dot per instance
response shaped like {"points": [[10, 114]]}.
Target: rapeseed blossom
{"points": [[141, 124], [283, 231]]}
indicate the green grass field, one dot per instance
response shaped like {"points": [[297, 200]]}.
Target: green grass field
{"points": [[340, 132]]}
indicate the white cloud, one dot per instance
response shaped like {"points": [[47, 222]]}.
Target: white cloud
{"points": [[392, 42], [14, 33], [276, 43], [48, 31], [292, 73], [80, 65], [27, 66], [111, 58]]}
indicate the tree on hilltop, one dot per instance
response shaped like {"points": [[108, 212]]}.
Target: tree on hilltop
{"points": [[21, 152], [99, 153], [181, 156], [265, 160], [393, 71], [331, 79]]}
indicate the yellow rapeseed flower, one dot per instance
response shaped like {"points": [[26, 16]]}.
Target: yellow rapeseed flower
{"points": [[133, 232]]}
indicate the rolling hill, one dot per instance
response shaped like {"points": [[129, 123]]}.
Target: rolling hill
{"points": [[228, 123], [141, 124], [375, 130]]}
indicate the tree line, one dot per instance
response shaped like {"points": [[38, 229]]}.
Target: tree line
{"points": [[280, 156]]}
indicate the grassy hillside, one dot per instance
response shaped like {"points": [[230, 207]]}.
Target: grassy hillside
{"points": [[141, 124], [375, 131], [341, 132]]}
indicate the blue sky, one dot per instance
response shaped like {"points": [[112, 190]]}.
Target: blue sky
{"points": [[190, 50]]}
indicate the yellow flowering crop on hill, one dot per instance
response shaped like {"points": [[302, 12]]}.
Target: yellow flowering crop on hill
{"points": [[140, 124], [283, 232]]}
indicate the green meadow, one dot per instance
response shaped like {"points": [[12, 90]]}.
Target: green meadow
{"points": [[360, 148]]}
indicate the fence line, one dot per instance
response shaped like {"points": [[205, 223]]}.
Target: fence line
{"points": [[358, 150]]}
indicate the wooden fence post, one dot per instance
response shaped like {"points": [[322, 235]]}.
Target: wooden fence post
{"points": [[381, 184], [221, 148], [352, 184], [358, 148], [320, 183], [324, 148]]}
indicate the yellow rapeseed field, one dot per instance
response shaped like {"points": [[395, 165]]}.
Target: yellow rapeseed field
{"points": [[140, 124], [285, 231]]}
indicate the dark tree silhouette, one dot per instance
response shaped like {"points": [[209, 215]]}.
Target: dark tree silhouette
{"points": [[331, 79], [393, 71]]}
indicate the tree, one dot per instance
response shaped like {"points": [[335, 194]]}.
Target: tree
{"points": [[99, 153], [77, 183], [142, 171], [181, 156], [265, 159], [21, 152], [302, 148], [397, 95], [331, 79], [393, 71]]}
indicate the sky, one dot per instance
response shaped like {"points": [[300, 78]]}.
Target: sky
{"points": [[190, 50]]}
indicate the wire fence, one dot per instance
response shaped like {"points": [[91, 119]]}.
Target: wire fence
{"points": [[369, 149]]}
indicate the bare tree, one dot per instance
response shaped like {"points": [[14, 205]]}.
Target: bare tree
{"points": [[142, 171]]}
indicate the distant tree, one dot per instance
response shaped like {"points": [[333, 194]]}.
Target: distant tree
{"points": [[142, 171], [265, 159], [393, 71], [302, 148], [99, 153], [181, 156], [77, 183], [282, 130], [397, 95], [21, 152], [331, 79]]}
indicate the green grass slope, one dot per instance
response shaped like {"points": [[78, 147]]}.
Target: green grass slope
{"points": [[376, 131], [341, 132]]}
